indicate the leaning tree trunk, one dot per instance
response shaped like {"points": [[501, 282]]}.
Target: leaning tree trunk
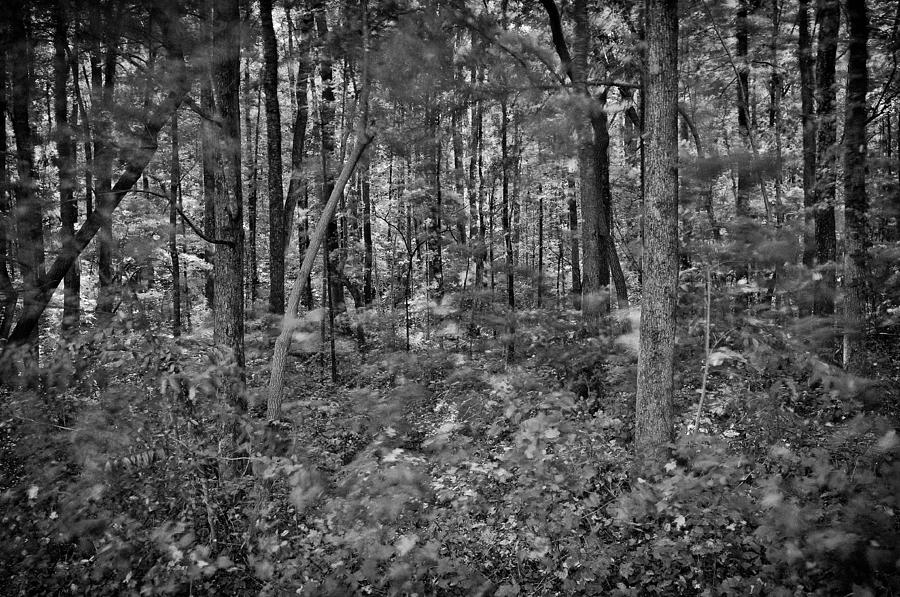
{"points": [[855, 199], [653, 407], [829, 16]]}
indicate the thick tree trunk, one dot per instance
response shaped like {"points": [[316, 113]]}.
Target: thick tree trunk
{"points": [[228, 322], [275, 176], [855, 199], [253, 184], [653, 408], [8, 292], [174, 186], [29, 215], [808, 122], [65, 144], [829, 16]]}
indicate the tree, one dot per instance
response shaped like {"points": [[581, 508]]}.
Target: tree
{"points": [[828, 15], [273, 136], [855, 198], [653, 407], [229, 260], [808, 124]]}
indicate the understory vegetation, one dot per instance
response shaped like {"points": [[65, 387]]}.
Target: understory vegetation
{"points": [[446, 470]]}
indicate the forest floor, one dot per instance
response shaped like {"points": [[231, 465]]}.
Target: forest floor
{"points": [[451, 469]]}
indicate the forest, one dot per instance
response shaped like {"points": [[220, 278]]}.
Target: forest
{"points": [[450, 297]]}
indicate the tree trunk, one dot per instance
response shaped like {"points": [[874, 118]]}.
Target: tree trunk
{"points": [[210, 159], [829, 16], [228, 322], [273, 136], [174, 185], [540, 249], [65, 144], [808, 122], [573, 233], [282, 344], [297, 185], [368, 257], [7, 290], [744, 182], [29, 216], [476, 184], [434, 244], [102, 89], [653, 408], [855, 199], [327, 124]]}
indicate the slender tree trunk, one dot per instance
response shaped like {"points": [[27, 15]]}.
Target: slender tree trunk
{"points": [[210, 158], [855, 199], [65, 144], [29, 215], [368, 257], [297, 185], [829, 16], [573, 233], [775, 117], [104, 154], [228, 322], [476, 185], [655, 385], [744, 174], [540, 250], [273, 136], [808, 122], [253, 183], [327, 127], [174, 185], [458, 171]]}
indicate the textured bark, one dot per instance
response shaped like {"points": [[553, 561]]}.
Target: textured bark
{"points": [[435, 270], [252, 184], [368, 256], [828, 16], [209, 160], [273, 153], [476, 183], [573, 233], [7, 291], [174, 188], [228, 322], [327, 127], [28, 213], [296, 194], [744, 182], [65, 148], [808, 121], [103, 72], [653, 408], [855, 199]]}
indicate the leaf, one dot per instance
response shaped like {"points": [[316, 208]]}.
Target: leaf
{"points": [[507, 590], [405, 544]]}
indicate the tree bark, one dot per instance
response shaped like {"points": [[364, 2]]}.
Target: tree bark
{"points": [[573, 234], [7, 291], [275, 176], [65, 144], [228, 321], [209, 163], [855, 199], [368, 256], [744, 182], [828, 16], [174, 185], [103, 71], [655, 385], [253, 183], [808, 122], [29, 216]]}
